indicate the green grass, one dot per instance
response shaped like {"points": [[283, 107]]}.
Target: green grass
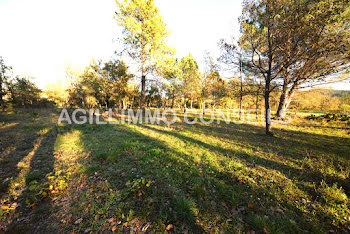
{"points": [[178, 178]]}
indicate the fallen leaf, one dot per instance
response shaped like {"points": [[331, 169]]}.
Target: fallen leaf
{"points": [[78, 221], [266, 230], [169, 227], [144, 228], [279, 210], [114, 228]]}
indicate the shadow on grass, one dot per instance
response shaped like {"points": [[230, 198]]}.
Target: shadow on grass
{"points": [[16, 143], [258, 144], [252, 160], [190, 194], [139, 180], [35, 206]]}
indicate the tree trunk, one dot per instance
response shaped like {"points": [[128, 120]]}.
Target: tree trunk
{"points": [[191, 102], [240, 106], [285, 99], [241, 91], [257, 104], [281, 111], [267, 111], [267, 86], [124, 104], [185, 104], [2, 102], [1, 98], [173, 100], [143, 93]]}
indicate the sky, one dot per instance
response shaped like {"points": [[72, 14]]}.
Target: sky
{"points": [[40, 38]]}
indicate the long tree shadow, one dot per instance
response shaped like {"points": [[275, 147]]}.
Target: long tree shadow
{"points": [[184, 192], [34, 205], [16, 142], [252, 160], [283, 141], [295, 146]]}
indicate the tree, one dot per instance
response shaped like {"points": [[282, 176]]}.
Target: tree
{"points": [[23, 92], [190, 78], [4, 76], [262, 37], [211, 82], [116, 82], [100, 84], [214, 87], [171, 72], [145, 36], [232, 57], [317, 43], [86, 87]]}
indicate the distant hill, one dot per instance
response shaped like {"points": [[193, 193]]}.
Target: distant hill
{"points": [[339, 93]]}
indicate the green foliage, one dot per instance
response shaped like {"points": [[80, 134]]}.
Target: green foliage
{"points": [[137, 187], [190, 78], [34, 176], [24, 93], [100, 85], [145, 36], [4, 77], [333, 194], [89, 169]]}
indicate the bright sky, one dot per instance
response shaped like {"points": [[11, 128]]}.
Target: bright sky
{"points": [[40, 38]]}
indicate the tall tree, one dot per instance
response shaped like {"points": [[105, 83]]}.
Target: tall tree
{"points": [[319, 37], [172, 73], [145, 35], [190, 78], [262, 36], [4, 76], [116, 80]]}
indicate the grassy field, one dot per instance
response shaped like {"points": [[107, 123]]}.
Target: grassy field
{"points": [[178, 178]]}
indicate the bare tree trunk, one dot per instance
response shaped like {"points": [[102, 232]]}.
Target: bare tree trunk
{"points": [[143, 93], [185, 104], [173, 100], [267, 110], [124, 104], [285, 99], [268, 87], [1, 98], [241, 91], [257, 104], [282, 103], [2, 102], [281, 111], [143, 80]]}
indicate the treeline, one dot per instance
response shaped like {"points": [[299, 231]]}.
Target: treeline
{"points": [[112, 85], [284, 46], [20, 92]]}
